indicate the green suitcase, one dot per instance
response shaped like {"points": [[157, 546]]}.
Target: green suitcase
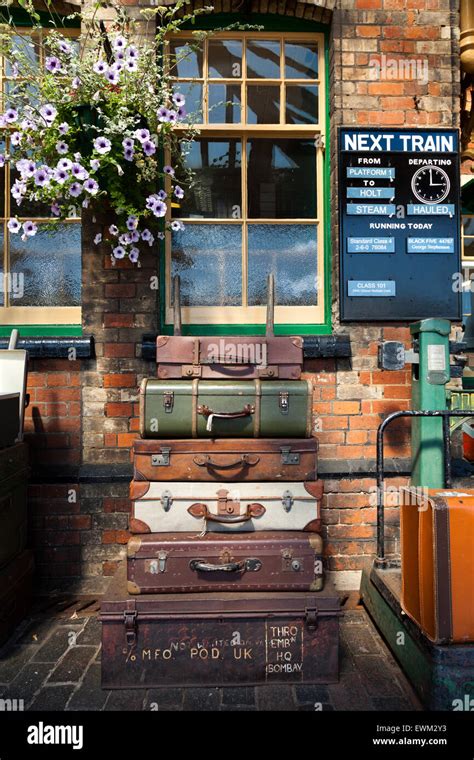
{"points": [[226, 408]]}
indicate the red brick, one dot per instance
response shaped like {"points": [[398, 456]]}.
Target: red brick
{"points": [[334, 423], [367, 30], [118, 409], [80, 522], [385, 88], [119, 350], [114, 504], [119, 320], [110, 440], [120, 290], [120, 380], [346, 407], [125, 440], [368, 4], [109, 568], [397, 391], [58, 378], [58, 394]]}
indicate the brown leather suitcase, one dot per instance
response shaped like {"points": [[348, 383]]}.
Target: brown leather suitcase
{"points": [[437, 547], [265, 561], [218, 638], [226, 459], [230, 358], [16, 589]]}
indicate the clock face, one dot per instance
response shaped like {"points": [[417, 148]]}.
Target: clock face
{"points": [[430, 184]]}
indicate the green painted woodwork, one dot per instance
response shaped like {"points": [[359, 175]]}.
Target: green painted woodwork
{"points": [[42, 331], [429, 393]]}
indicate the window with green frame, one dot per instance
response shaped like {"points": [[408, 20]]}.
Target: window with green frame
{"points": [[259, 199], [40, 279]]}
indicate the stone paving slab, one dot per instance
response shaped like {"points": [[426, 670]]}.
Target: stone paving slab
{"points": [[53, 663]]}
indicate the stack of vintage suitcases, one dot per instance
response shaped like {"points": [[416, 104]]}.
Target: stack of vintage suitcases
{"points": [[224, 573], [16, 561]]}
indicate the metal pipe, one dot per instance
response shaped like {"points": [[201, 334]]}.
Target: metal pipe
{"points": [[380, 560]]}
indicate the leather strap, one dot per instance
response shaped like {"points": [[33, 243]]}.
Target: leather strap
{"points": [[201, 510], [442, 569], [205, 460]]}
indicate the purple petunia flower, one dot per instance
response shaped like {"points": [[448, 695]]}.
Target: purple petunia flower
{"points": [[119, 55], [61, 175], [131, 65], [11, 115], [161, 235], [18, 190], [133, 255], [91, 186], [182, 113], [125, 239], [100, 67], [52, 64], [146, 234], [15, 138], [95, 164], [163, 114], [30, 229], [85, 203], [112, 76], [41, 176], [48, 112], [113, 229], [119, 251], [134, 236], [76, 83], [2, 160], [179, 99], [118, 66], [63, 128], [128, 142], [62, 147], [131, 52], [14, 225], [102, 145], [149, 148], [128, 154], [179, 192], [65, 47], [159, 210], [132, 222], [172, 117], [177, 226], [65, 163], [142, 135], [56, 209], [98, 238], [77, 157], [119, 43], [78, 171], [75, 189], [162, 195], [168, 170]]}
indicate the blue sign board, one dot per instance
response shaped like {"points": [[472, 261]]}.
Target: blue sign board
{"points": [[399, 199]]}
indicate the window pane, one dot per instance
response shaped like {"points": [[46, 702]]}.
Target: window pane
{"points": [[186, 59], [302, 104], [225, 58], [263, 59], [288, 251], [48, 266], [301, 60], [192, 91], [281, 179], [263, 104], [27, 48], [2, 284], [468, 225], [224, 104], [468, 251], [216, 192], [208, 258]]}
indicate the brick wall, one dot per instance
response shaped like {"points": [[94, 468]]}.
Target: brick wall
{"points": [[85, 413]]}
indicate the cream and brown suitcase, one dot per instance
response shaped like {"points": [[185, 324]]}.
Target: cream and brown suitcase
{"points": [[168, 507]]}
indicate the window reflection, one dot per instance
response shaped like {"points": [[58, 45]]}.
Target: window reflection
{"points": [[216, 190]]}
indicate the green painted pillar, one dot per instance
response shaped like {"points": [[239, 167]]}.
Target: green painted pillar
{"points": [[429, 377]]}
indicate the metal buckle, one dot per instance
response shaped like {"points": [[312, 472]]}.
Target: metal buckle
{"points": [[311, 617], [287, 500], [166, 500], [130, 620], [284, 402], [163, 459], [168, 401], [287, 457]]}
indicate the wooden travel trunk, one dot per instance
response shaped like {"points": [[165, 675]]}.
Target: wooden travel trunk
{"points": [[224, 507], [437, 547], [225, 409], [218, 638], [263, 561], [16, 588], [229, 358], [10, 417], [226, 459]]}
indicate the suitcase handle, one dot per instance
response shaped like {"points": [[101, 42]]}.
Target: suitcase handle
{"points": [[201, 510], [207, 412], [200, 566], [206, 461]]}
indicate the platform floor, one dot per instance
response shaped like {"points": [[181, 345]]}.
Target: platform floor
{"points": [[53, 663]]}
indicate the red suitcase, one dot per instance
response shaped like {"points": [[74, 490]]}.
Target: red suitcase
{"points": [[267, 561], [231, 358]]}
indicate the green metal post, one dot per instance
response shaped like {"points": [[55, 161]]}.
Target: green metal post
{"points": [[429, 377]]}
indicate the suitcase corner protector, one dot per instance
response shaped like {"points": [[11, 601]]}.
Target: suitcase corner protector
{"points": [[133, 546], [138, 526], [132, 588], [315, 541], [317, 584]]}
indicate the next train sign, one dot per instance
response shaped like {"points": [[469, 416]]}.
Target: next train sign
{"points": [[399, 224]]}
